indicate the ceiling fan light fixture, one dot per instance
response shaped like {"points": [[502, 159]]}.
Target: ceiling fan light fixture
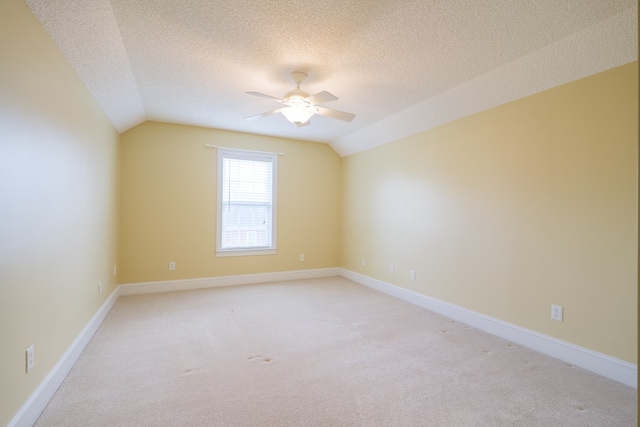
{"points": [[299, 114], [300, 106]]}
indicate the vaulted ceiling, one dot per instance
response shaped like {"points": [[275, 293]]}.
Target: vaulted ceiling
{"points": [[402, 66]]}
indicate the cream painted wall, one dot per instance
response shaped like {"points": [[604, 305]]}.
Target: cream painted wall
{"points": [[168, 204], [58, 155], [511, 210]]}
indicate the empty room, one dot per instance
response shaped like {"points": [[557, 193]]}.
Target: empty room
{"points": [[295, 213]]}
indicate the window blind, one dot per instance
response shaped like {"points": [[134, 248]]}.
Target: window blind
{"points": [[246, 205]]}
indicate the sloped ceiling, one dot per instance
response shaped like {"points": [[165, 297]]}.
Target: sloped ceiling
{"points": [[400, 66]]}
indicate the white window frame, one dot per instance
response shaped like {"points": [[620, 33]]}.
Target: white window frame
{"points": [[246, 155]]}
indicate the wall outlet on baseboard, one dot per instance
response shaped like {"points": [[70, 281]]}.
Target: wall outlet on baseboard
{"points": [[556, 312], [172, 266], [301, 257], [412, 274], [29, 358]]}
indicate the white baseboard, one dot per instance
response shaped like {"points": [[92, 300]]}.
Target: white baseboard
{"points": [[610, 367], [215, 282], [599, 363], [33, 407]]}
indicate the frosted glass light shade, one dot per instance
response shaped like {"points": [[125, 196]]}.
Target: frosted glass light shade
{"points": [[298, 115]]}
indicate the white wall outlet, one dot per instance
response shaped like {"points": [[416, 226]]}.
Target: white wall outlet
{"points": [[412, 274], [392, 269], [100, 287], [172, 266], [556, 312], [29, 358], [364, 261], [301, 257]]}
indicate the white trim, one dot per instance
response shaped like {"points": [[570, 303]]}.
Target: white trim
{"points": [[258, 156], [599, 363], [602, 364], [33, 407], [245, 252], [216, 282]]}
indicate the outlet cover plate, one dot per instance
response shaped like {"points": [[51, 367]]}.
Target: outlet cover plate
{"points": [[556, 312], [29, 358]]}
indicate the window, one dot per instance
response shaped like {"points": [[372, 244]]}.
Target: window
{"points": [[246, 203]]}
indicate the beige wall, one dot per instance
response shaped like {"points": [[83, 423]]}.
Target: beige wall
{"points": [[168, 204], [511, 210], [58, 155]]}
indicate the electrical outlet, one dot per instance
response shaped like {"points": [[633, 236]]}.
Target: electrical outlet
{"points": [[172, 266], [412, 274], [29, 358], [391, 269], [364, 261], [556, 312], [100, 287], [301, 257]]}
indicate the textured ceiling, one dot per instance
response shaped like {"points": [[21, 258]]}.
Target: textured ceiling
{"points": [[400, 66]]}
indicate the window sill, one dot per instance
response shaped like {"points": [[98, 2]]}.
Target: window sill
{"points": [[245, 252]]}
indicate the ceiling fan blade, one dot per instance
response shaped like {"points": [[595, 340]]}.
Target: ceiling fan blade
{"points": [[262, 95], [321, 97], [268, 113], [335, 114]]}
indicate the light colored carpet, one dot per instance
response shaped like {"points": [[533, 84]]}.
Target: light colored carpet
{"points": [[322, 352]]}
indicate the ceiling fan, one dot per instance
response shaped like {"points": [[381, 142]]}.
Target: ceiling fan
{"points": [[300, 106]]}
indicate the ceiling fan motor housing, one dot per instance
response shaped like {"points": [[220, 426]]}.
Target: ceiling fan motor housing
{"points": [[301, 106], [297, 95]]}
